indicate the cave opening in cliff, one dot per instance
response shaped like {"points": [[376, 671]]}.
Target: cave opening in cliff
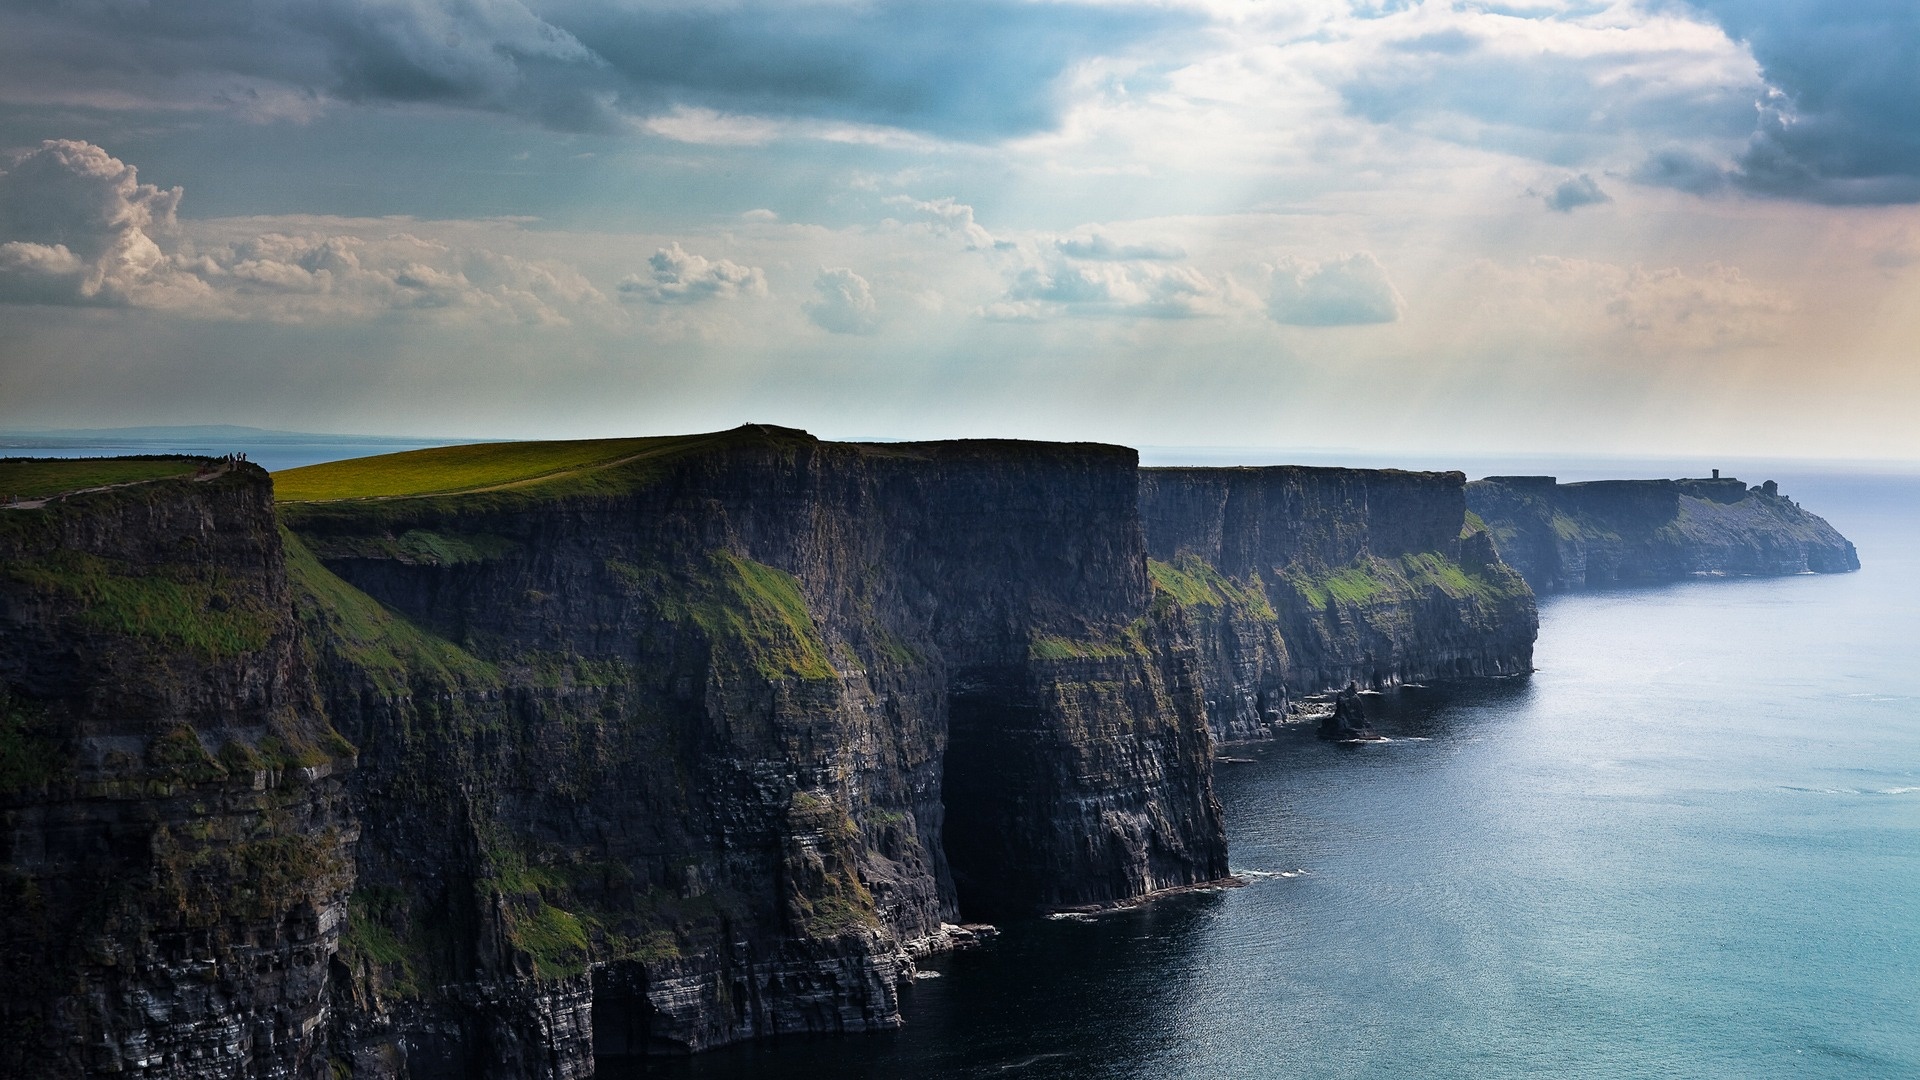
{"points": [[623, 1018], [994, 782]]}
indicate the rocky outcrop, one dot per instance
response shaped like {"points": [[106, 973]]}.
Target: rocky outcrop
{"points": [[1347, 722], [1618, 532], [175, 847], [1300, 580]]}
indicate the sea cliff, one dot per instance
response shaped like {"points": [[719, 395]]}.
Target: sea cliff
{"points": [[176, 848], [720, 740], [1619, 532], [499, 761], [1303, 580], [700, 740]]}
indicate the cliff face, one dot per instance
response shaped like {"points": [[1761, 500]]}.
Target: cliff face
{"points": [[175, 851], [708, 748], [1609, 532], [661, 744], [1305, 579]]}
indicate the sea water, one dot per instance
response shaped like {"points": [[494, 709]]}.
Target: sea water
{"points": [[1688, 845]]}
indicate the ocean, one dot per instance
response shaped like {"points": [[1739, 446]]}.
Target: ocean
{"points": [[1687, 845]]}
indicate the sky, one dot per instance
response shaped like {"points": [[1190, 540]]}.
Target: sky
{"points": [[1419, 226]]}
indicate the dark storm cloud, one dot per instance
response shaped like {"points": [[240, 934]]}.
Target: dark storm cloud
{"points": [[1844, 126], [972, 71]]}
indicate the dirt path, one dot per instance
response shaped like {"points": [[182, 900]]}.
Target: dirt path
{"points": [[222, 468]]}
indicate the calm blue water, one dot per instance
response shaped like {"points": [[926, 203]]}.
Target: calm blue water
{"points": [[1688, 846]]}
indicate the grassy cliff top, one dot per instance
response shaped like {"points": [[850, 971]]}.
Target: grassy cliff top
{"points": [[38, 478], [485, 467]]}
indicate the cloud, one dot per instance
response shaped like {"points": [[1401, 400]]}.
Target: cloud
{"points": [[77, 227], [1557, 84], [1574, 192], [1680, 168], [681, 277], [1716, 308], [948, 217], [1352, 290], [976, 71], [1840, 123], [845, 304], [1604, 308], [1053, 285], [1099, 247]]}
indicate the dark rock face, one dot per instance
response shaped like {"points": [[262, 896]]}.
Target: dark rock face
{"points": [[175, 846], [710, 756], [1616, 532], [706, 747], [1303, 579]]}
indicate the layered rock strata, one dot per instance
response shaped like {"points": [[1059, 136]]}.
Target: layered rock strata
{"points": [[722, 739], [1619, 532], [701, 744], [176, 850], [1301, 580]]}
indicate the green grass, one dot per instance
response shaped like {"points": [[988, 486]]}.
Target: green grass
{"points": [[1055, 647], [748, 609], [1359, 583], [1374, 580], [30, 756], [555, 940], [452, 470], [208, 615], [390, 649], [37, 478], [1194, 583]]}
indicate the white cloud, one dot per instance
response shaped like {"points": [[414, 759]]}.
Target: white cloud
{"points": [[1052, 284], [1352, 290], [948, 217], [845, 304], [77, 227], [681, 277], [1100, 247]]}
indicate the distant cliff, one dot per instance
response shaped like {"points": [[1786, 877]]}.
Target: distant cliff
{"points": [[1302, 580], [1614, 532]]}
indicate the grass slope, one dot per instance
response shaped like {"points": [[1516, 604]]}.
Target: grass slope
{"points": [[452, 470], [37, 478]]}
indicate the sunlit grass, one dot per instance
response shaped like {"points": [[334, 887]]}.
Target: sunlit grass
{"points": [[448, 470]]}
